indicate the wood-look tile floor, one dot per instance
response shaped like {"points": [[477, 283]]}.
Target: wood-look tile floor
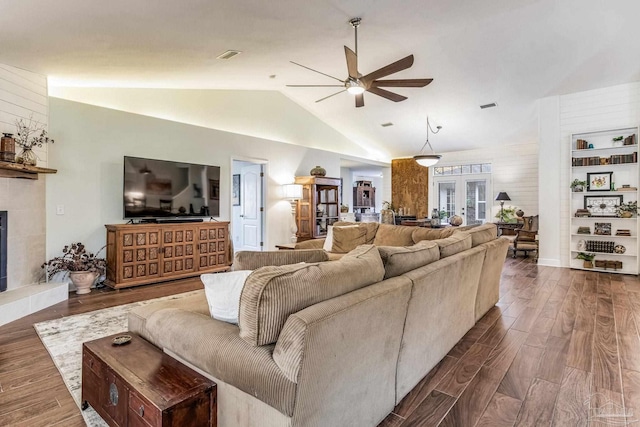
{"points": [[560, 348]]}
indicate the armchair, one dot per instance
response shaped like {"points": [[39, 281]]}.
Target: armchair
{"points": [[527, 237]]}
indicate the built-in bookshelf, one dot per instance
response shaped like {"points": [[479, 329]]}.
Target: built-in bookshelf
{"points": [[607, 161]]}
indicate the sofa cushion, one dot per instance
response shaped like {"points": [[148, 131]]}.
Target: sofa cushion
{"points": [[370, 227], [346, 239], [223, 294], [250, 260], [424, 233], [328, 241], [393, 235], [271, 294], [482, 234], [458, 242], [400, 259]]}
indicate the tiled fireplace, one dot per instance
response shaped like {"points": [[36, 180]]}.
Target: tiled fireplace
{"points": [[24, 228]]}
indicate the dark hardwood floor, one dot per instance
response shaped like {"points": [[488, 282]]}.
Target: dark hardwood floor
{"points": [[560, 348]]}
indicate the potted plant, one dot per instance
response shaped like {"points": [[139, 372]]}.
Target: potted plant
{"points": [[83, 267], [627, 210], [506, 214], [577, 186], [587, 258]]}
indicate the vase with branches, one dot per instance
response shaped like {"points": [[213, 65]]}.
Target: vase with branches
{"points": [[83, 267], [30, 134]]}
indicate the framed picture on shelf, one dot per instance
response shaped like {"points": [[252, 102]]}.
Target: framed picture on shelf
{"points": [[599, 181], [602, 228], [603, 206], [235, 190]]}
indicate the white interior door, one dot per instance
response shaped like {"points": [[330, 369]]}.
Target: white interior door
{"points": [[251, 208]]}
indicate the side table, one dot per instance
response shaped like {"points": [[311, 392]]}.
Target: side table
{"points": [[508, 228]]}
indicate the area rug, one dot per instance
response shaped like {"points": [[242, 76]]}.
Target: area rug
{"points": [[63, 340]]}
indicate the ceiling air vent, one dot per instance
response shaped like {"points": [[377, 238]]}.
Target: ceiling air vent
{"points": [[228, 54], [386, 125], [493, 104]]}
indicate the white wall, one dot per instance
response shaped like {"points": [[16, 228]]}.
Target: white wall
{"points": [[514, 170], [263, 114], [561, 116], [23, 95], [93, 141]]}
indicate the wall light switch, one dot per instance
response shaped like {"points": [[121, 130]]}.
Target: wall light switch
{"points": [[60, 210]]}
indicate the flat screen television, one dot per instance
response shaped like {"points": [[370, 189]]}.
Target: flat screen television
{"points": [[160, 188]]}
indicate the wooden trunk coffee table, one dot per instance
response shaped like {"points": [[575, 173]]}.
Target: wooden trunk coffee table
{"points": [[136, 384]]}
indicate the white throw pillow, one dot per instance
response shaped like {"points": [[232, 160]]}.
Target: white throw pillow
{"points": [[328, 241], [223, 294]]}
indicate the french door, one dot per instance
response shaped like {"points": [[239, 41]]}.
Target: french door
{"points": [[464, 195]]}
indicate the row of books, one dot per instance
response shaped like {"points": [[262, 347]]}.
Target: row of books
{"points": [[581, 144], [598, 246], [616, 159]]}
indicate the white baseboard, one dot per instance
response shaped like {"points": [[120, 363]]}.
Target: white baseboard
{"points": [[549, 262]]}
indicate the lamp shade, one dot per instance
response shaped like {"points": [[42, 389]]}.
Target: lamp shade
{"points": [[427, 159], [502, 196], [292, 191]]}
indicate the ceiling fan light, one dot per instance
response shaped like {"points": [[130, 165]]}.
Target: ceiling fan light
{"points": [[354, 87], [427, 160], [355, 90]]}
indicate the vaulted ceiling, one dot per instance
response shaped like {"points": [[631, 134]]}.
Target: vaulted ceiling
{"points": [[511, 52]]}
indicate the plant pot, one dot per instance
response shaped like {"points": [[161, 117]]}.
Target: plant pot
{"points": [[27, 157], [587, 264], [578, 189], [83, 280], [626, 214]]}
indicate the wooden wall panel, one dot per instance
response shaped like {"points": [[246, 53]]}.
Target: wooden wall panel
{"points": [[410, 186]]}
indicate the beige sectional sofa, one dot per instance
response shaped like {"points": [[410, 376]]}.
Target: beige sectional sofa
{"points": [[335, 343]]}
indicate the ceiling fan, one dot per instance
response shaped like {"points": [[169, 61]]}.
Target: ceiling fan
{"points": [[357, 84]]}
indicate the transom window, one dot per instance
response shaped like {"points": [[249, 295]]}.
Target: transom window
{"points": [[462, 169]]}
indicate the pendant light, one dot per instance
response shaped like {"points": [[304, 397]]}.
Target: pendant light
{"points": [[428, 159]]}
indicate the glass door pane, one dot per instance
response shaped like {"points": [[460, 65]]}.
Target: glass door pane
{"points": [[476, 206], [447, 198]]}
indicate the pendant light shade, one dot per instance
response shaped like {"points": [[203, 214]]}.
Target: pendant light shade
{"points": [[427, 160]]}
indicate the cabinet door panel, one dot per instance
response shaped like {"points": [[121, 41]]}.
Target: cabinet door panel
{"points": [[177, 250], [138, 254]]}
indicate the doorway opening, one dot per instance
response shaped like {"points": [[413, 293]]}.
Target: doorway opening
{"points": [[247, 205]]}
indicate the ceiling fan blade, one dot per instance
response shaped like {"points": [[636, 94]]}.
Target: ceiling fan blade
{"points": [[315, 85], [386, 94], [359, 100], [326, 97], [401, 83], [392, 68], [352, 62], [316, 71]]}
